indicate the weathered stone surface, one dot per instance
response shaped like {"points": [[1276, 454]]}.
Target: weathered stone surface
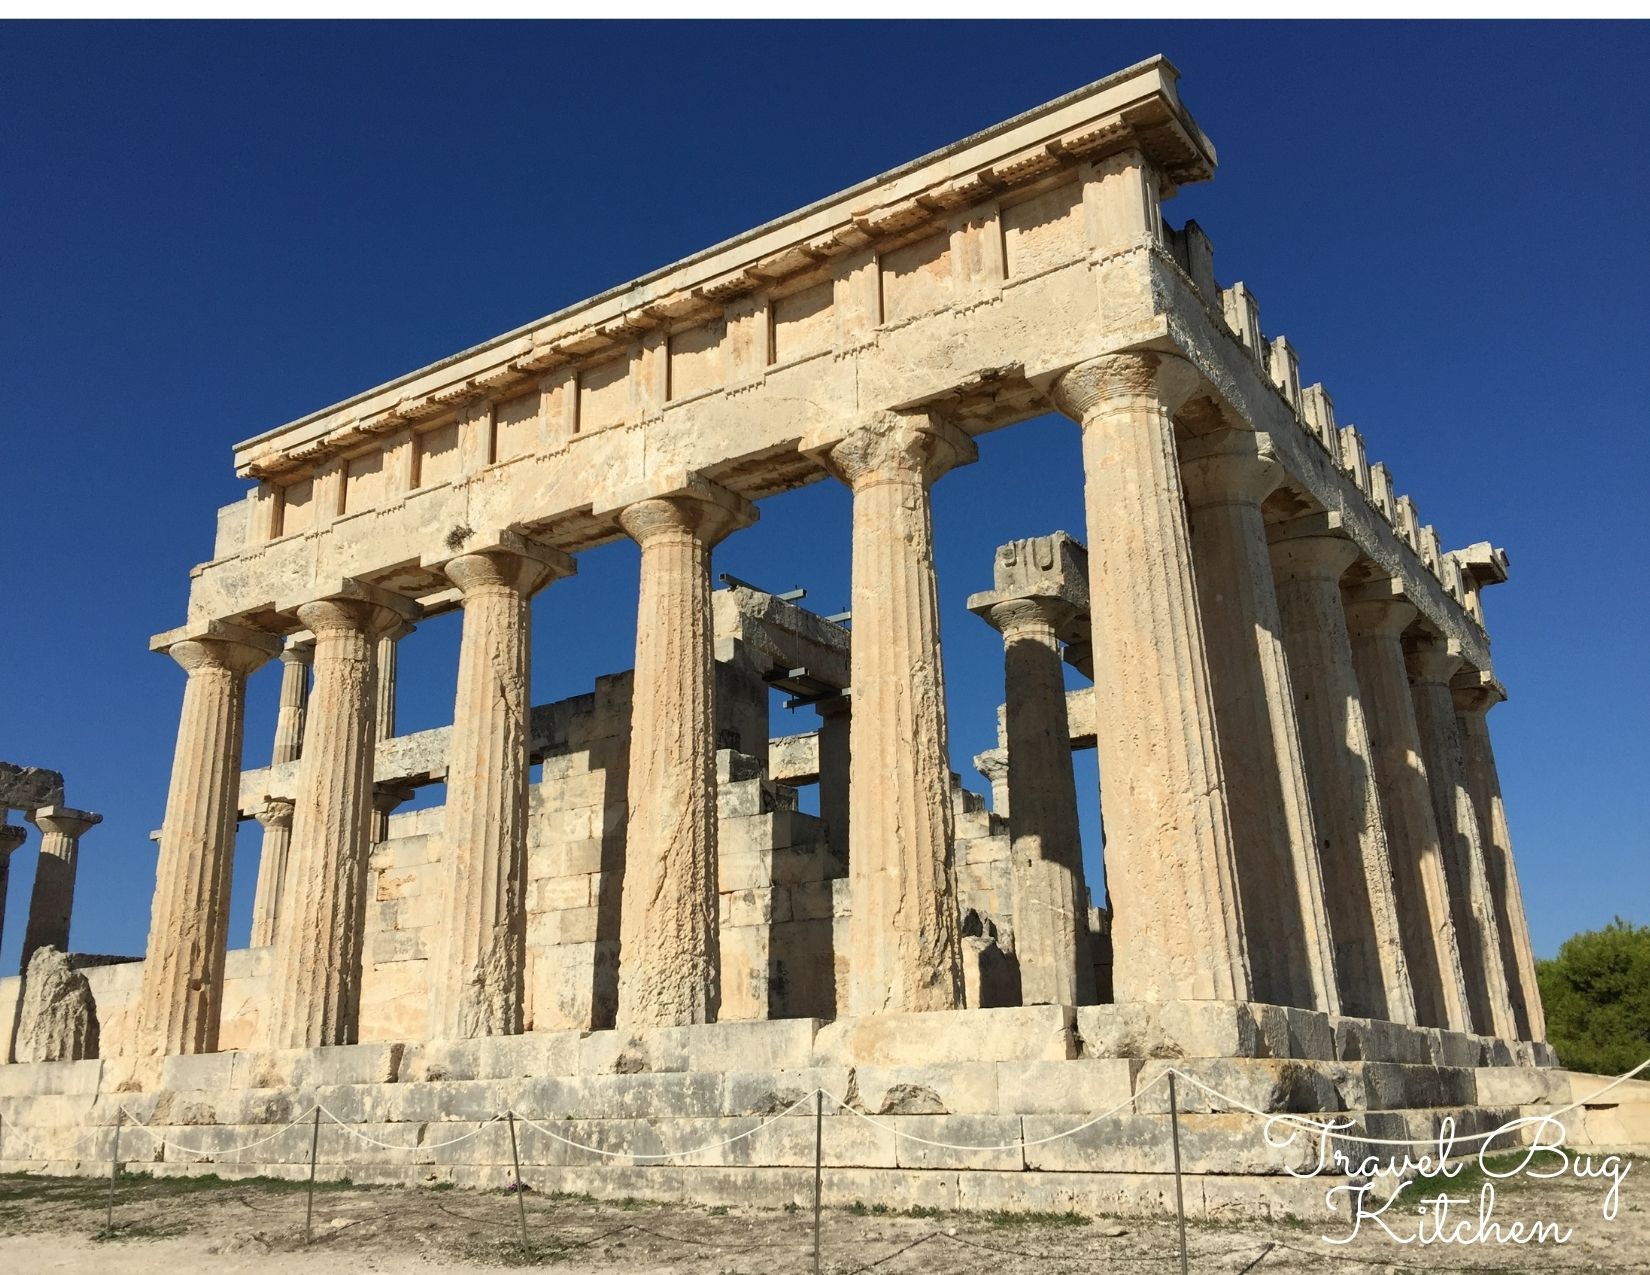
{"points": [[906, 944], [669, 967], [1291, 955], [1431, 665], [1309, 559], [1169, 866], [58, 1018], [1375, 624], [52, 901]]}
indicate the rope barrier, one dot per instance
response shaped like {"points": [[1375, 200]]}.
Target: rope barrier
{"points": [[216, 1152], [671, 1155], [1008, 1146], [1326, 1128], [417, 1146]]}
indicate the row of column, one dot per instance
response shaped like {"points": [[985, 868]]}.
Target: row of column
{"points": [[51, 902], [1299, 808], [1228, 670]]}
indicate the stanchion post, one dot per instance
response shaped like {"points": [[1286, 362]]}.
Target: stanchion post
{"points": [[114, 1169], [1179, 1197], [314, 1142], [819, 1160], [521, 1191]]}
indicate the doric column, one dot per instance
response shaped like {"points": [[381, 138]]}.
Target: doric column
{"points": [[1474, 696], [905, 940], [669, 957], [477, 977], [53, 899], [289, 717], [183, 970], [835, 728], [1291, 954], [1357, 869], [1375, 621], [1431, 664], [275, 816], [383, 714], [1051, 936], [315, 978], [1177, 930], [11, 836]]}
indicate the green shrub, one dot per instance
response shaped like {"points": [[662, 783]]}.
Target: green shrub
{"points": [[1597, 996]]}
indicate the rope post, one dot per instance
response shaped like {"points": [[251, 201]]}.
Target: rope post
{"points": [[314, 1142], [114, 1169], [819, 1160], [1179, 1197], [521, 1191]]}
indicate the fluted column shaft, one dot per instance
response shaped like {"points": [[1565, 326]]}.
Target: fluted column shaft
{"points": [[1346, 809], [52, 902], [1051, 932], [11, 836], [905, 933], [1431, 665], [1291, 954], [835, 730], [477, 979], [315, 978], [183, 970], [1177, 927], [1375, 627], [1472, 707], [669, 954], [383, 713], [276, 816]]}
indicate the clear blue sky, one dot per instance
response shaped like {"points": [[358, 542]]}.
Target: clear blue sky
{"points": [[210, 230]]}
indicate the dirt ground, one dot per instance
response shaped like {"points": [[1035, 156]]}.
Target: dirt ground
{"points": [[172, 1225]]}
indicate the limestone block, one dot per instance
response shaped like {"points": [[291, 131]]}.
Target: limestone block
{"points": [[1388, 1085], [768, 1092], [956, 1088], [185, 1072], [1173, 1029], [553, 894], [624, 1096], [812, 901], [57, 1021], [20, 1079], [1365, 1039], [701, 1047], [1092, 1194], [1075, 1086], [567, 858], [1264, 1084], [917, 1039], [962, 1132], [1455, 1049]]}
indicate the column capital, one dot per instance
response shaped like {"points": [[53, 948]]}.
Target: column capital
{"points": [[387, 796], [64, 821], [354, 606], [1475, 693], [1229, 467], [217, 644], [299, 651], [1311, 548], [276, 812], [11, 836], [1014, 616], [897, 447], [1382, 616], [1430, 660], [1084, 391], [506, 560], [705, 510]]}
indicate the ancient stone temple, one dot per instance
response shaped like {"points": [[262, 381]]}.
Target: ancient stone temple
{"points": [[1311, 887]]}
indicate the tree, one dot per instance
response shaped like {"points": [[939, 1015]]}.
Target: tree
{"points": [[1597, 996]]}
